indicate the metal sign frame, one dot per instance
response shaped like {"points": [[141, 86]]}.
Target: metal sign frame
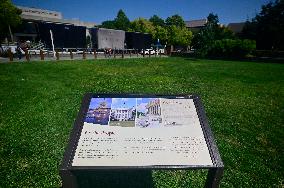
{"points": [[68, 172]]}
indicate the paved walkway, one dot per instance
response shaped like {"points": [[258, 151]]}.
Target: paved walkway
{"points": [[75, 57]]}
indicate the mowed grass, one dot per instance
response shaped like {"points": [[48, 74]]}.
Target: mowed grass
{"points": [[122, 123], [244, 103]]}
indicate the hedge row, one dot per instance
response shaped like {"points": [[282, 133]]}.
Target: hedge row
{"points": [[231, 48]]}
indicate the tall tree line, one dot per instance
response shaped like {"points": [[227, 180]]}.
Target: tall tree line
{"points": [[171, 31], [267, 27], [9, 18]]}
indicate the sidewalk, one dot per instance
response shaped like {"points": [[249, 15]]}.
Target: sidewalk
{"points": [[76, 57]]}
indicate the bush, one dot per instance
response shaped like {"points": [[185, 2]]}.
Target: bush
{"points": [[231, 48]]}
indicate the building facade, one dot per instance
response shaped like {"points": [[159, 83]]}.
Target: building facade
{"points": [[37, 23], [99, 115], [122, 114], [153, 107], [195, 25], [107, 38], [237, 28]]}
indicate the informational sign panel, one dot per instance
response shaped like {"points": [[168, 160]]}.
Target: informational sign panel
{"points": [[141, 132], [134, 131]]}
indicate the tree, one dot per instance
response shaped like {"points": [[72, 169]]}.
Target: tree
{"points": [[161, 34], [249, 30], [212, 31], [175, 20], [9, 17], [267, 27], [212, 20], [144, 26], [179, 36], [121, 21], [157, 21], [109, 24]]}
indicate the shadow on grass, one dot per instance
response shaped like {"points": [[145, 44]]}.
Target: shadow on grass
{"points": [[255, 60], [191, 59], [117, 179]]}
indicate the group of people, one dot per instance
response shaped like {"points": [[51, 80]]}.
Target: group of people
{"points": [[108, 51], [19, 50], [21, 47]]}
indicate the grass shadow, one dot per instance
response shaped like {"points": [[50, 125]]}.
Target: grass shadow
{"points": [[191, 59], [118, 179]]}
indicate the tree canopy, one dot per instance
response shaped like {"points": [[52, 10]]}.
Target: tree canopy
{"points": [[9, 17], [172, 31], [267, 27], [157, 21], [121, 22], [142, 25], [211, 32], [109, 24], [179, 36], [161, 34], [175, 20]]}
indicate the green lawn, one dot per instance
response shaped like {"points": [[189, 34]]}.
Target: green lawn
{"points": [[244, 102], [122, 123]]}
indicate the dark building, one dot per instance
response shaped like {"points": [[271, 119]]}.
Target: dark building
{"points": [[37, 23], [139, 41], [26, 31], [64, 36]]}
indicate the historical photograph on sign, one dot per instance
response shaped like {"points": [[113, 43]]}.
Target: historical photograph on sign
{"points": [[123, 112], [99, 111], [148, 113]]}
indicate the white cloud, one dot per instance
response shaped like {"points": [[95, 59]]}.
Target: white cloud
{"points": [[114, 100], [124, 99], [142, 107]]}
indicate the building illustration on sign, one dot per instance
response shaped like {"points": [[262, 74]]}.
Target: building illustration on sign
{"points": [[123, 112], [99, 112], [148, 113], [140, 112], [153, 107]]}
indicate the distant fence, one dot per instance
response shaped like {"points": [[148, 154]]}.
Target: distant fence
{"points": [[80, 54]]}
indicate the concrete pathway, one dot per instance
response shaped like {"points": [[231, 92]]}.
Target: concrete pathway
{"points": [[75, 57]]}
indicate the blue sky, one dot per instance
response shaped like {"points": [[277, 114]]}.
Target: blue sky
{"points": [[142, 102], [95, 102], [98, 11], [123, 102]]}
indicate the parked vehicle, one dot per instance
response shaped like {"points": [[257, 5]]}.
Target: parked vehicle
{"points": [[37, 52], [161, 51], [148, 51], [78, 51], [4, 50]]}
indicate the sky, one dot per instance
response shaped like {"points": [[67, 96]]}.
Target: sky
{"points": [[141, 104], [95, 102], [229, 11], [123, 103]]}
